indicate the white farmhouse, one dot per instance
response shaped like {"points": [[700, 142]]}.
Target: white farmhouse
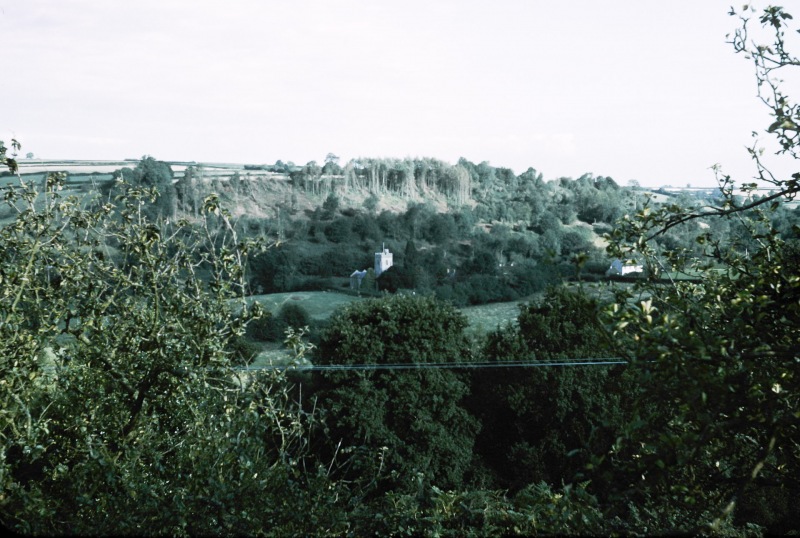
{"points": [[356, 278], [620, 268]]}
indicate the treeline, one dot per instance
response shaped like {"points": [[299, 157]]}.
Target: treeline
{"points": [[498, 427], [448, 254], [409, 178], [517, 236], [503, 195]]}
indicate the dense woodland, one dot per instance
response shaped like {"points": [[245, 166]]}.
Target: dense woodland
{"points": [[665, 403]]}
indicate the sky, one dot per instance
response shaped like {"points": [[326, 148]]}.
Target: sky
{"points": [[632, 89]]}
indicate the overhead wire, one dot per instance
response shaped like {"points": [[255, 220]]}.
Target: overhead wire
{"points": [[570, 362]]}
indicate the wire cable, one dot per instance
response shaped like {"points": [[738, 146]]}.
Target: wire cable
{"points": [[443, 365]]}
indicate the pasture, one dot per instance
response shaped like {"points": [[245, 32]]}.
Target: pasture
{"points": [[487, 317], [320, 305]]}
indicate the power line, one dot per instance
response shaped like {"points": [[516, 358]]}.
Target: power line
{"points": [[442, 365], [308, 367]]}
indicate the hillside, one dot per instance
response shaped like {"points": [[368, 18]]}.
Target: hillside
{"points": [[472, 233], [265, 189]]}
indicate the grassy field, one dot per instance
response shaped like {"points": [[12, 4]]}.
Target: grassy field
{"points": [[487, 317], [319, 304]]}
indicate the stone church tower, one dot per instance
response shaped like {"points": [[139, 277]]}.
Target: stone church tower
{"points": [[383, 260]]}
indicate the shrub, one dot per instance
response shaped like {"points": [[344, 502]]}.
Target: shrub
{"points": [[117, 391]]}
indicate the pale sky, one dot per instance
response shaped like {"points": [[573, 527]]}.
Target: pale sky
{"points": [[632, 89]]}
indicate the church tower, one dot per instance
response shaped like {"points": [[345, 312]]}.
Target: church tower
{"points": [[383, 260]]}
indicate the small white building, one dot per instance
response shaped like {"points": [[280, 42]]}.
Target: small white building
{"points": [[356, 278], [620, 268], [383, 260]]}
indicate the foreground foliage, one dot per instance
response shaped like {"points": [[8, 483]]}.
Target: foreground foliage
{"points": [[120, 414], [717, 362], [537, 421]]}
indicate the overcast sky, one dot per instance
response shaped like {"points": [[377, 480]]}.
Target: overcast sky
{"points": [[632, 89]]}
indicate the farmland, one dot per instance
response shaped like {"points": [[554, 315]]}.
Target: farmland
{"points": [[320, 305]]}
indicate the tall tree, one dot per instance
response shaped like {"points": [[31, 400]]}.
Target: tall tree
{"points": [[9, 161], [331, 166], [534, 417], [400, 420], [157, 175]]}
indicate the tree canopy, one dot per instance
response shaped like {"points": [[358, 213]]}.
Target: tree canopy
{"points": [[717, 428], [407, 420]]}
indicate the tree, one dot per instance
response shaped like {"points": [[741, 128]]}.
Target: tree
{"points": [[441, 229], [395, 278], [483, 262], [339, 230], [716, 431], [399, 421], [330, 206], [186, 191], [368, 282], [415, 219], [411, 258], [371, 202], [273, 327], [366, 228], [157, 175], [117, 391], [273, 270], [7, 161], [534, 417], [236, 183], [331, 165], [294, 315]]}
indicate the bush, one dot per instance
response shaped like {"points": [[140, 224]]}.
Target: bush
{"points": [[272, 328], [242, 350], [294, 315], [312, 283], [267, 328], [117, 390]]}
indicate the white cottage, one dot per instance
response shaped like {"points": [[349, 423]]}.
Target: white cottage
{"points": [[356, 278], [620, 268]]}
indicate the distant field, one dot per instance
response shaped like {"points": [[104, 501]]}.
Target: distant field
{"points": [[38, 166], [322, 304], [487, 317], [76, 167], [319, 304]]}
